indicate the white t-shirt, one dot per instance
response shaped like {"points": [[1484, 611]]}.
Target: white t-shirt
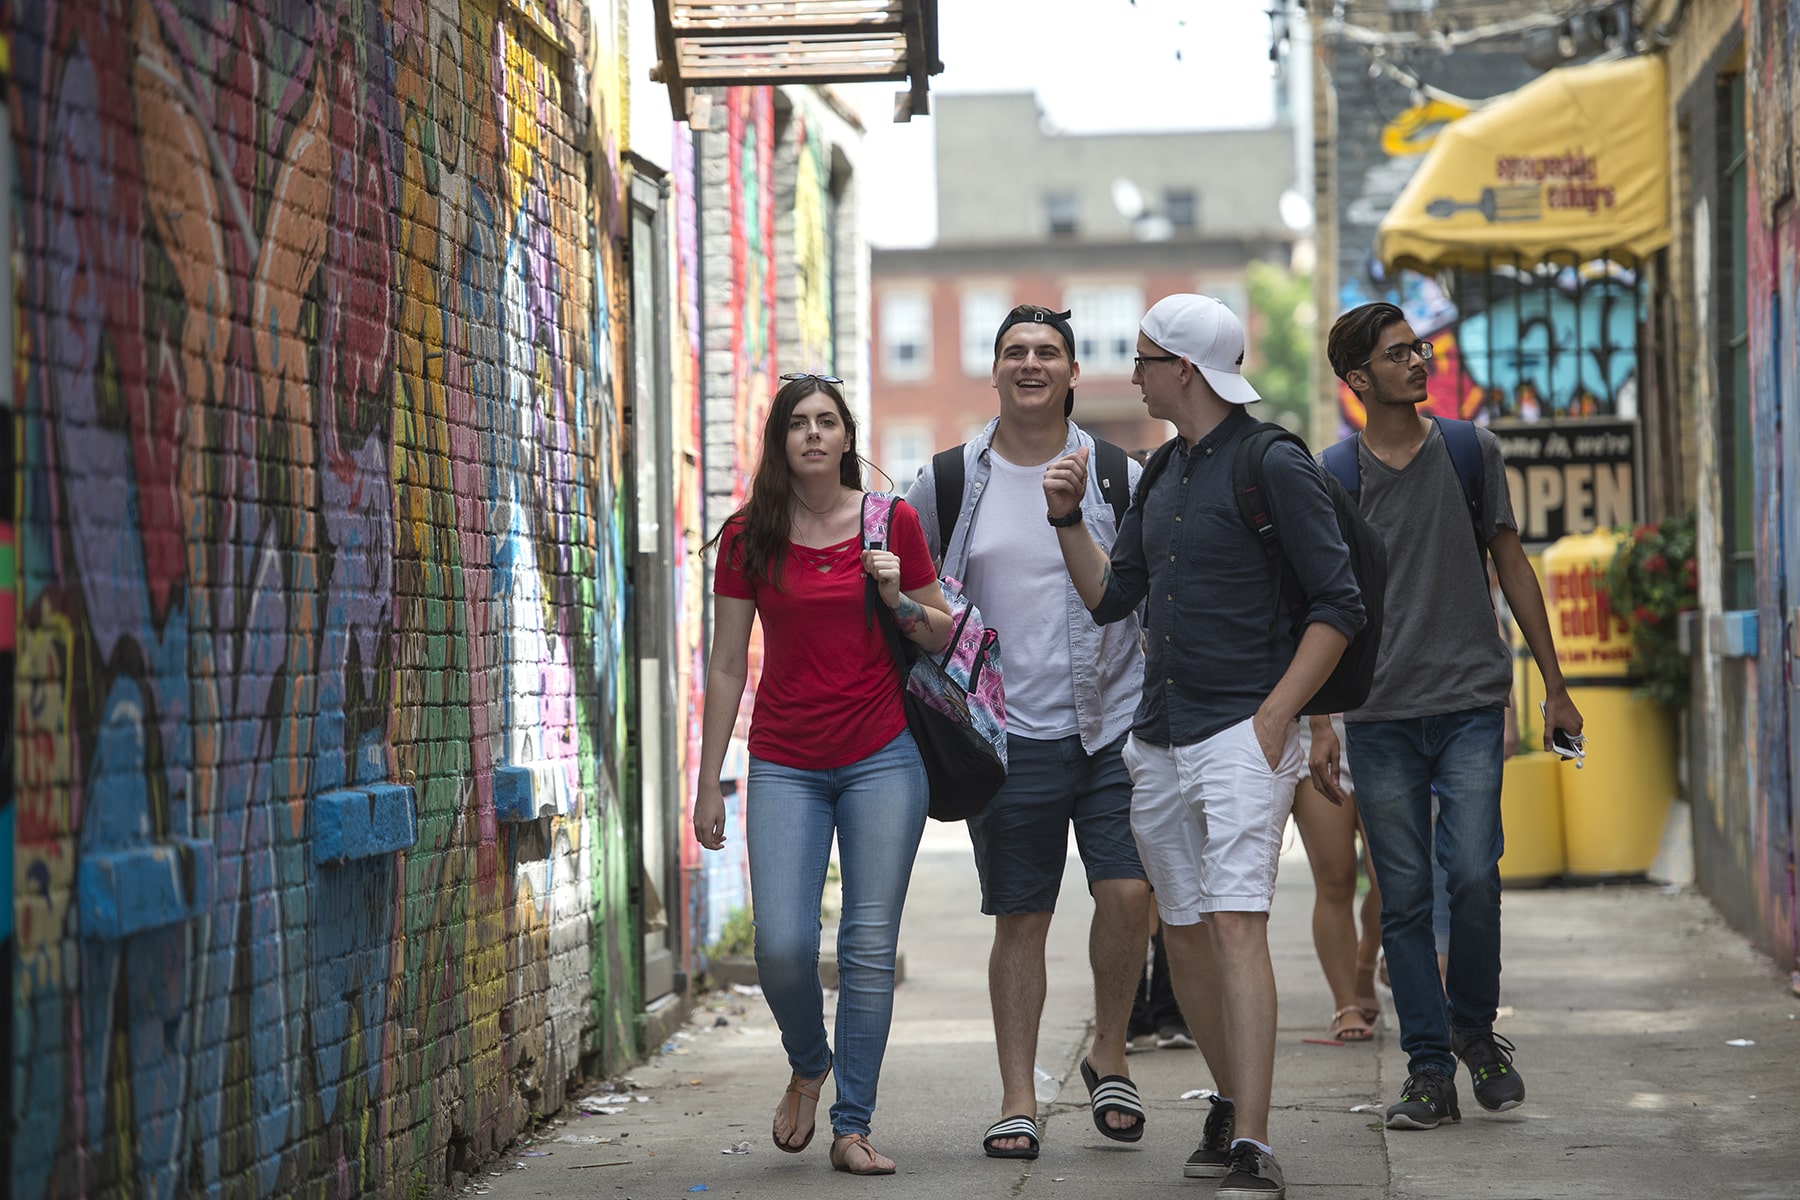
{"points": [[1017, 578]]}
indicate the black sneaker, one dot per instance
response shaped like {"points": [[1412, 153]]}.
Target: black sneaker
{"points": [[1427, 1099], [1174, 1037], [1498, 1086], [1253, 1175], [1210, 1158]]}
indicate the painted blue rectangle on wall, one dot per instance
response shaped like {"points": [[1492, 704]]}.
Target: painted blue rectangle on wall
{"points": [[363, 822], [144, 887]]}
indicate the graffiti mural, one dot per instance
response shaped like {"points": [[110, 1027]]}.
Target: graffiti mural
{"points": [[689, 584], [319, 689], [737, 213], [1520, 345], [1773, 258], [812, 254]]}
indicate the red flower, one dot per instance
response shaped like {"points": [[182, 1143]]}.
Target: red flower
{"points": [[1643, 616], [1643, 533], [1656, 564]]}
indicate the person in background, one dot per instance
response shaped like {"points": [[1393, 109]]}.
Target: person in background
{"points": [[829, 749], [1156, 1022], [1347, 958]]}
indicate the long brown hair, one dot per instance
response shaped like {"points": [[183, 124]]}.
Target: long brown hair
{"points": [[762, 543]]}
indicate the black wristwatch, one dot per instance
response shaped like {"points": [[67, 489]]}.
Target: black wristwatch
{"points": [[1074, 518]]}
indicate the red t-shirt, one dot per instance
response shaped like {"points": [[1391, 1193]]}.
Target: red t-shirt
{"points": [[829, 694]]}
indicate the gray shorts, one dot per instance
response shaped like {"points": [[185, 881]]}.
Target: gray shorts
{"points": [[1021, 838]]}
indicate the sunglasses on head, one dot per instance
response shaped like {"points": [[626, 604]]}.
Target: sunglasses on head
{"points": [[797, 376]]}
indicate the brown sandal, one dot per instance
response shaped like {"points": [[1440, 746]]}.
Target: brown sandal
{"points": [[844, 1143], [798, 1089], [1343, 1032]]}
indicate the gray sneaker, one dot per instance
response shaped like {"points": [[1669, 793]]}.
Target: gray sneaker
{"points": [[1211, 1157], [1254, 1175]]}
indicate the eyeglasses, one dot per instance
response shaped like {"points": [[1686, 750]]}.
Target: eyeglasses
{"points": [[797, 376], [1141, 359], [1401, 353]]}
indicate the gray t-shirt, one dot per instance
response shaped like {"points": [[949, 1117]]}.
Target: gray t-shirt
{"points": [[1441, 650]]}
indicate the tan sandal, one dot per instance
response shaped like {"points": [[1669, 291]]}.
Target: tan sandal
{"points": [[844, 1143], [798, 1089], [1343, 1031]]}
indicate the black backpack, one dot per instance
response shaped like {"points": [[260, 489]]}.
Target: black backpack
{"points": [[1348, 684], [947, 472]]}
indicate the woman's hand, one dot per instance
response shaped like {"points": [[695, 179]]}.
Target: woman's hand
{"points": [[709, 817], [883, 567]]}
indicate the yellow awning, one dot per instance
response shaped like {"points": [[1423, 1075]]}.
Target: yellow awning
{"points": [[1576, 161]]}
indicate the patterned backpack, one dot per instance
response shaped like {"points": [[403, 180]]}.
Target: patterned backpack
{"points": [[955, 700]]}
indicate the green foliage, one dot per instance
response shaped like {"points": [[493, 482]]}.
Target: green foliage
{"points": [[1650, 580], [736, 936], [1283, 342]]}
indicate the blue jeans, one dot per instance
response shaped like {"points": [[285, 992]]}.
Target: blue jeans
{"points": [[876, 807], [1398, 763]]}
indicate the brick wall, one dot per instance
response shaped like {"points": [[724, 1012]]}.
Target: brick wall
{"points": [[322, 862]]}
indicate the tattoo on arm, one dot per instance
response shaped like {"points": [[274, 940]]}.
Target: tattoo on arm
{"points": [[1106, 577], [911, 616]]}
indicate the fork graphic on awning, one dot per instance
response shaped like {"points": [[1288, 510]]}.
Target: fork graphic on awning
{"points": [[1514, 202]]}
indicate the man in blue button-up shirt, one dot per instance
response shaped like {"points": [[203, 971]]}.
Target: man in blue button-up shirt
{"points": [[1214, 752]]}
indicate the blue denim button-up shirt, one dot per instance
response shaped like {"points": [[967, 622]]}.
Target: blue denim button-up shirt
{"points": [[1108, 660], [1210, 596]]}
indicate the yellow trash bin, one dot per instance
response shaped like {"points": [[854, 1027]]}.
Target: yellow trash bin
{"points": [[1615, 806]]}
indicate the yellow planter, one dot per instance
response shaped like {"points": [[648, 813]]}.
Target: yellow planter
{"points": [[1615, 807], [1531, 811]]}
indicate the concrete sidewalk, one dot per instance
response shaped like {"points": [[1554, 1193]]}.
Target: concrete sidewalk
{"points": [[1624, 1003]]}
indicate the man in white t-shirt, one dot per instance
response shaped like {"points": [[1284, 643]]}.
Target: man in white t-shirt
{"points": [[1072, 688]]}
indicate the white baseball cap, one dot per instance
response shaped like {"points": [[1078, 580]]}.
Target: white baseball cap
{"points": [[1207, 334]]}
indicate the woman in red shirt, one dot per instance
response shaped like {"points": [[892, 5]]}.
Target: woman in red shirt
{"points": [[829, 749]]}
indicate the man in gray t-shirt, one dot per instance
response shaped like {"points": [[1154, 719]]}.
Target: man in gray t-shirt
{"points": [[1435, 718]]}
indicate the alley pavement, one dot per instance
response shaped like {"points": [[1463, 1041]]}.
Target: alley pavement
{"points": [[1661, 1059]]}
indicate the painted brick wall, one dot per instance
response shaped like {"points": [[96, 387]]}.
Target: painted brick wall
{"points": [[322, 866]]}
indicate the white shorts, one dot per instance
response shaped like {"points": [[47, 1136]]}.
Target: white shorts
{"points": [[1208, 820], [1337, 727]]}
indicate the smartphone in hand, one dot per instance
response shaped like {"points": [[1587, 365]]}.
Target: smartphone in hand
{"points": [[1566, 744]]}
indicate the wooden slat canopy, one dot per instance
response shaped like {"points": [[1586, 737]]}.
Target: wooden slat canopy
{"points": [[716, 43]]}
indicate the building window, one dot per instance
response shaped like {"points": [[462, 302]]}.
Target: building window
{"points": [[1734, 353], [905, 335], [1182, 206], [1105, 321], [982, 311], [1233, 294], [1063, 211], [905, 449]]}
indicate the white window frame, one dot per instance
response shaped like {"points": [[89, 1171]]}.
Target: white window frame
{"points": [[906, 334], [905, 447], [1105, 319], [982, 310]]}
